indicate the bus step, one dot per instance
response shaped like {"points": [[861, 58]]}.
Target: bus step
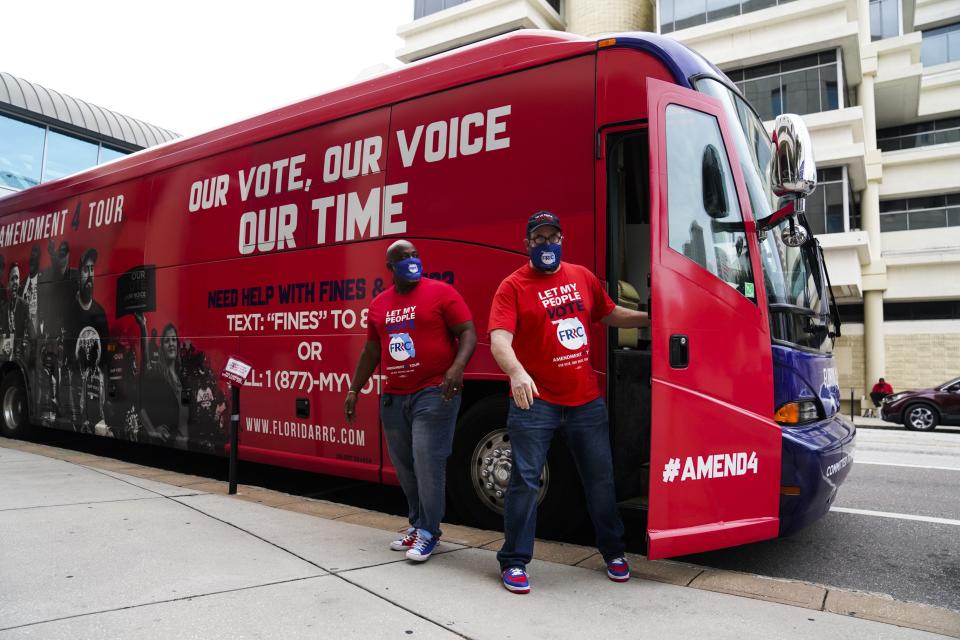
{"points": [[639, 503]]}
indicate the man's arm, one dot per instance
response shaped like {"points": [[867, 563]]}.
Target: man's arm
{"points": [[466, 337], [366, 365], [522, 385], [624, 318]]}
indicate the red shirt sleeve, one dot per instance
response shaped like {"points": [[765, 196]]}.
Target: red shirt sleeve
{"points": [[455, 310], [372, 334], [602, 304], [503, 309]]}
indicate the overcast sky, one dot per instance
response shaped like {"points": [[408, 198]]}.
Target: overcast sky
{"points": [[193, 65]]}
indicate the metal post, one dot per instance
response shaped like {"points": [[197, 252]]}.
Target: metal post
{"points": [[851, 404], [234, 435]]}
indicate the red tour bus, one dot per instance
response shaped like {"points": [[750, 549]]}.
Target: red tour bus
{"points": [[127, 286]]}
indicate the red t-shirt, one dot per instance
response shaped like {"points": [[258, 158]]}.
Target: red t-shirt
{"points": [[416, 346], [549, 315], [882, 388]]}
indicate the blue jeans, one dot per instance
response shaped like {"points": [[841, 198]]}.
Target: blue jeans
{"points": [[585, 430], [419, 430]]}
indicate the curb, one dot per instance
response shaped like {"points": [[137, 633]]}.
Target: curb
{"points": [[796, 593]]}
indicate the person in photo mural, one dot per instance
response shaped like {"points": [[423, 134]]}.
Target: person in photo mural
{"points": [[539, 328], [420, 332], [60, 288], [16, 316], [162, 415], [31, 291], [84, 317], [92, 387]]}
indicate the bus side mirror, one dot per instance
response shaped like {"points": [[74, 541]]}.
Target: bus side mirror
{"points": [[793, 171], [793, 176], [714, 190]]}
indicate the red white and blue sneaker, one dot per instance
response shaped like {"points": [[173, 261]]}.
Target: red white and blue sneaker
{"points": [[515, 580], [406, 541], [618, 570], [423, 547]]}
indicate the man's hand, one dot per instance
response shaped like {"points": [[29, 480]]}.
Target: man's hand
{"points": [[524, 389], [350, 406], [452, 382], [624, 318]]}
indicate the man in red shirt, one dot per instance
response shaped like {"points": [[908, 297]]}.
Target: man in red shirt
{"points": [[540, 336], [880, 391], [420, 333]]}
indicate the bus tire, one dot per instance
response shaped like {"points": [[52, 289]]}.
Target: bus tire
{"points": [[480, 465], [921, 417], [14, 413]]}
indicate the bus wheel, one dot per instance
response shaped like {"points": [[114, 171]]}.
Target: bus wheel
{"points": [[14, 420], [480, 467], [920, 417]]}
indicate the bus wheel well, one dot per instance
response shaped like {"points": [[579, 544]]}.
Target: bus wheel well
{"points": [[476, 390], [480, 501], [14, 405]]}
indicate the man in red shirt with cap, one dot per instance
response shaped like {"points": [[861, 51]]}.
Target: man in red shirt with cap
{"points": [[540, 336], [420, 333]]}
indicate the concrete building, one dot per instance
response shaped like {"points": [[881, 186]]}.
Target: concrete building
{"points": [[878, 84], [45, 134]]}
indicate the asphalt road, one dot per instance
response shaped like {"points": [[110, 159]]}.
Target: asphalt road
{"points": [[897, 476], [908, 546]]}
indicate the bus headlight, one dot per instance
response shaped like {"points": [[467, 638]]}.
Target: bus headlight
{"points": [[793, 413]]}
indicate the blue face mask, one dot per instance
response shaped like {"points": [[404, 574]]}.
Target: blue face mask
{"points": [[546, 256], [410, 269]]}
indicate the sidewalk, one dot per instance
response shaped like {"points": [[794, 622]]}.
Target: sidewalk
{"points": [[90, 548]]}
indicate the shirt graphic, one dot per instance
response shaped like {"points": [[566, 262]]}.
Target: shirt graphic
{"points": [[401, 347], [571, 333]]}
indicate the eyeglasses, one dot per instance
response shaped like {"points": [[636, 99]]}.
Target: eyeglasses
{"points": [[556, 238]]}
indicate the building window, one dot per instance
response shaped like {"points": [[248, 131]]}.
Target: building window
{"points": [[107, 154], [919, 135], [884, 19], [914, 310], [928, 212], [828, 208], [680, 14], [808, 84], [940, 45], [424, 8], [66, 155], [31, 153], [21, 153]]}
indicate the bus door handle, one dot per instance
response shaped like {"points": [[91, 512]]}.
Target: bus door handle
{"points": [[679, 351]]}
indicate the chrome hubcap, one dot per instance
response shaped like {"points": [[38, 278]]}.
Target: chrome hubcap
{"points": [[921, 418], [13, 406], [492, 464]]}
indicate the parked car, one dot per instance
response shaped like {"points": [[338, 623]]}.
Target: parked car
{"points": [[924, 409]]}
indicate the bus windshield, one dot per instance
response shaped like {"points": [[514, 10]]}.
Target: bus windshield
{"points": [[793, 276]]}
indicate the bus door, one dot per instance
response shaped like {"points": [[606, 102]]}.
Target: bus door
{"points": [[625, 240], [715, 450]]}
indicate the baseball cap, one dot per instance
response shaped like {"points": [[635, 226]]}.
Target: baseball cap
{"points": [[89, 255], [542, 219]]}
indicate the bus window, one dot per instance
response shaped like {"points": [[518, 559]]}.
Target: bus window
{"points": [[799, 316], [706, 224]]}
